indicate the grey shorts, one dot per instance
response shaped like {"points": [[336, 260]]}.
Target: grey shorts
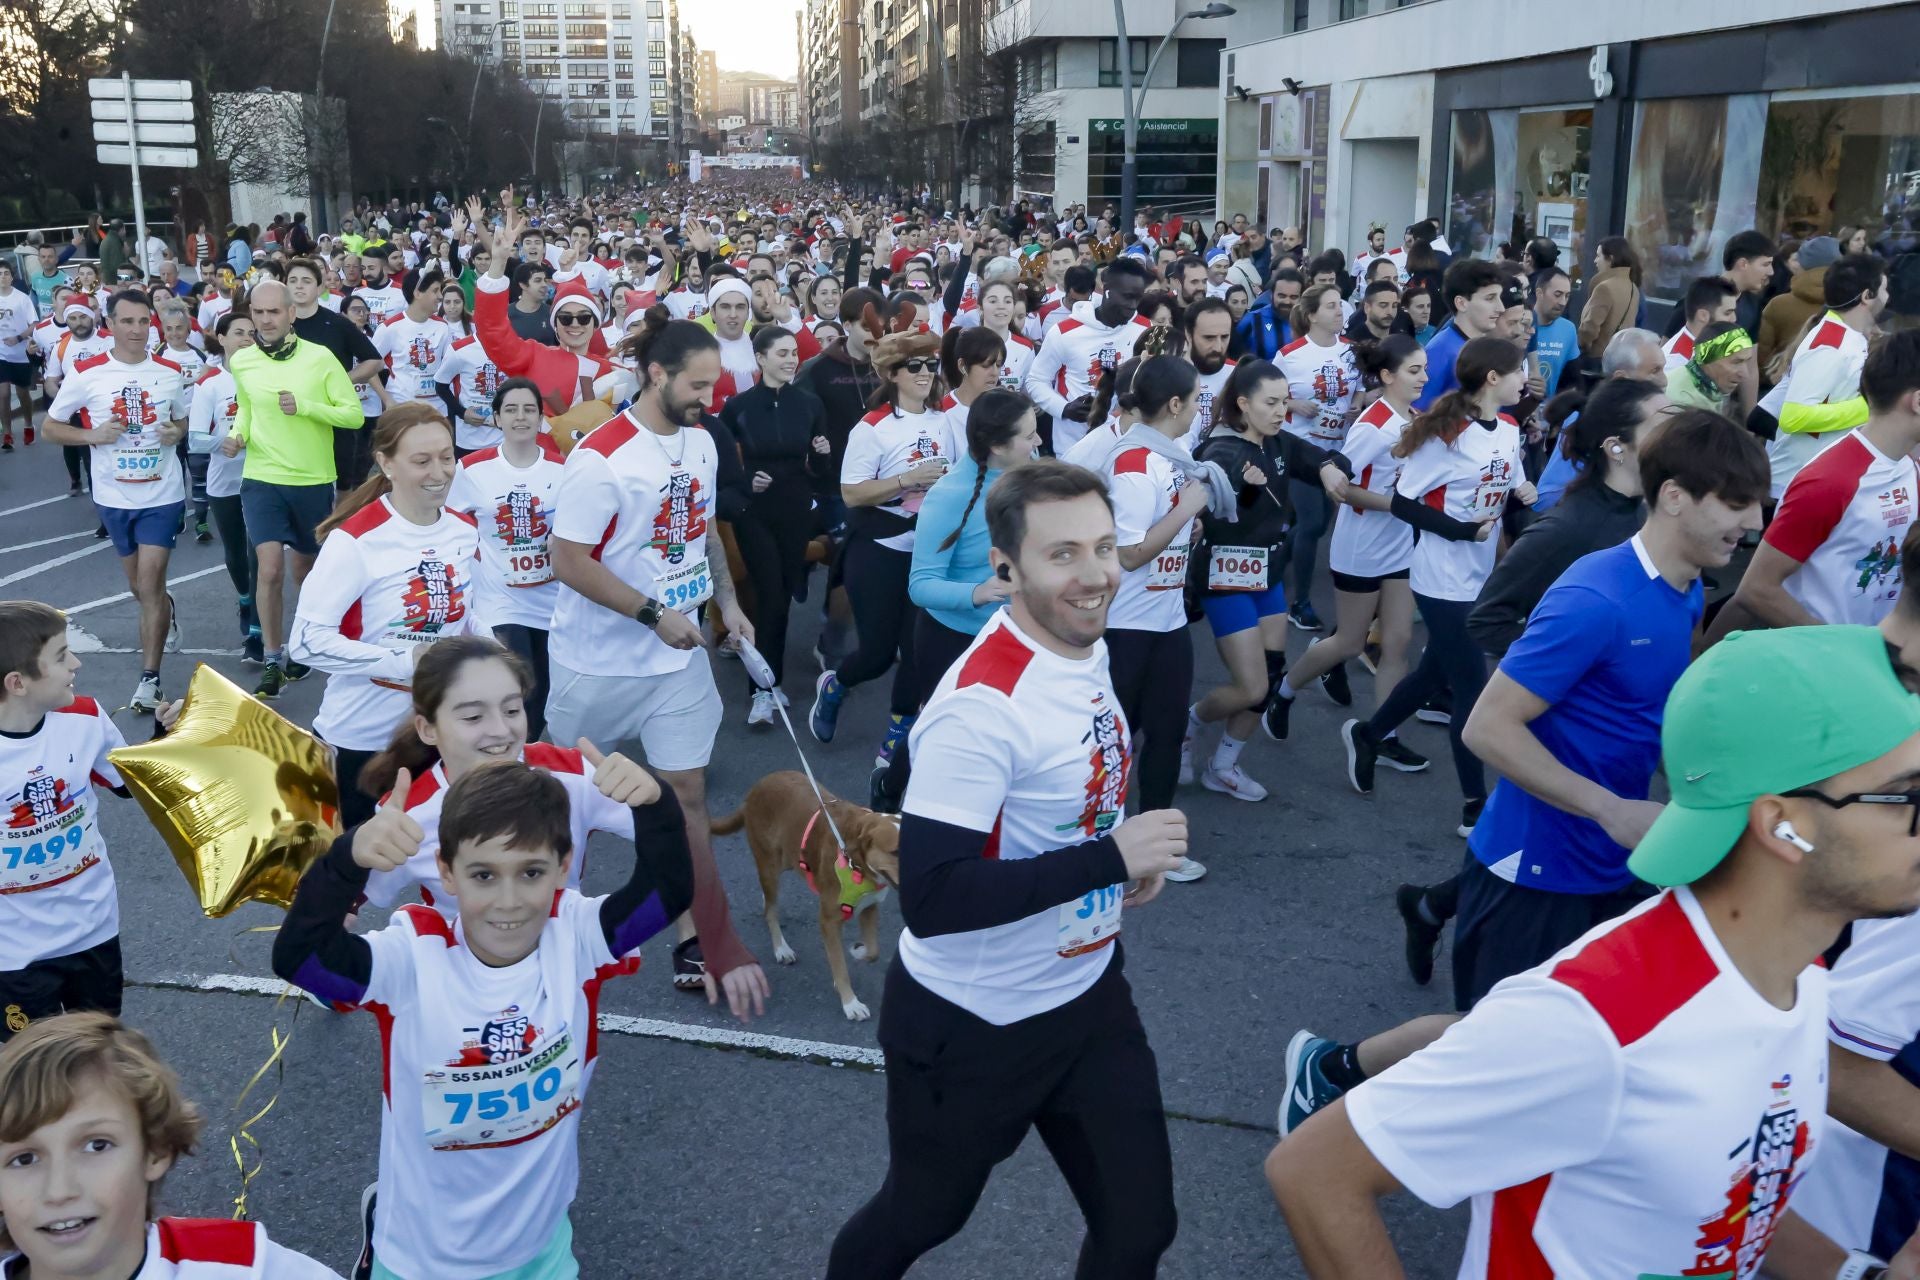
{"points": [[673, 716]]}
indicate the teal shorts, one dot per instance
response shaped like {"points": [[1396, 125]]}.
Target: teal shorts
{"points": [[554, 1262]]}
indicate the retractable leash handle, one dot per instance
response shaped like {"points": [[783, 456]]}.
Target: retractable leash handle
{"points": [[761, 673]]}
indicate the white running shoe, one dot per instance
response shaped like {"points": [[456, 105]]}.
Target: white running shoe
{"points": [[1234, 782], [1187, 871], [173, 626], [761, 712], [146, 695]]}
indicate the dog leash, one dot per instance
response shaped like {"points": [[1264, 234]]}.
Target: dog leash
{"points": [[762, 676]]}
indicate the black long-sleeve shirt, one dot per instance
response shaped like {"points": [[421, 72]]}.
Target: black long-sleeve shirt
{"points": [[1262, 507], [1589, 518], [775, 430]]}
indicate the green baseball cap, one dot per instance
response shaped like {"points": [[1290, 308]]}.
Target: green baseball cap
{"points": [[1760, 713]]}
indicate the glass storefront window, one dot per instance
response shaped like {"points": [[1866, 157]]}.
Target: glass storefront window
{"points": [[1175, 160], [1696, 165], [1517, 174], [1841, 162]]}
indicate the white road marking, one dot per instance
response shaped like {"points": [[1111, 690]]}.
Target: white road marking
{"points": [[44, 502], [118, 596], [46, 542], [839, 1055], [55, 563]]}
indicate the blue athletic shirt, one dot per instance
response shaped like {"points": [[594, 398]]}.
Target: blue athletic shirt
{"points": [[1604, 648], [1556, 345]]}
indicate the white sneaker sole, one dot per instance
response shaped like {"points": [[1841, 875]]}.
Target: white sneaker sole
{"points": [[1213, 782], [1346, 742], [1187, 877]]}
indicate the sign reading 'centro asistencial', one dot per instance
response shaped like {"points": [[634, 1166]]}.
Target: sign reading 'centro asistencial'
{"points": [[1192, 124]]}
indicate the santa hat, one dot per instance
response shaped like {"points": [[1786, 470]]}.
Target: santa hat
{"points": [[724, 286], [575, 291]]}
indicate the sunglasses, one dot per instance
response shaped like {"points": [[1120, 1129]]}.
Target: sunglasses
{"points": [[1908, 799], [573, 317], [920, 364]]}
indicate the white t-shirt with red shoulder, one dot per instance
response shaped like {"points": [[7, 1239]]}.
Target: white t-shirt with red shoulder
{"points": [[485, 1070], [1206, 404], [685, 304], [1033, 749], [56, 885], [1329, 377], [888, 443], [213, 305], [470, 371], [1843, 517], [1143, 486], [383, 302], [135, 471], [588, 811], [207, 1249], [381, 590], [643, 503], [1370, 544], [1632, 1107], [209, 422], [1467, 480], [412, 351], [1678, 350], [513, 507], [1013, 369]]}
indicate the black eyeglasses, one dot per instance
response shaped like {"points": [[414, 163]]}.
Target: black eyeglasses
{"points": [[919, 365], [573, 317], [1910, 799]]}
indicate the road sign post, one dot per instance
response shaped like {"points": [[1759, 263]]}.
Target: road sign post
{"points": [[138, 122]]}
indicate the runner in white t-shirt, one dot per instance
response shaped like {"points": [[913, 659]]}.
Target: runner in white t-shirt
{"points": [[209, 423], [17, 318], [1322, 382], [1644, 1103], [469, 375], [631, 551], [414, 343], [1006, 1009]]}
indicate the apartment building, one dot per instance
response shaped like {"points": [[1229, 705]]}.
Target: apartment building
{"points": [[603, 63]]}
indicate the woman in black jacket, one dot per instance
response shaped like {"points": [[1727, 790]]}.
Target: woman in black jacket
{"points": [[781, 430]]}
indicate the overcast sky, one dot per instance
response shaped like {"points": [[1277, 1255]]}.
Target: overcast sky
{"points": [[746, 35]]}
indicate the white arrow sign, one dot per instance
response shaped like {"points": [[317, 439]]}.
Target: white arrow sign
{"points": [[166, 90], [156, 157], [116, 109], [150, 134]]}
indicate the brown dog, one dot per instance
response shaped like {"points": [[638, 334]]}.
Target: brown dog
{"points": [[786, 833]]}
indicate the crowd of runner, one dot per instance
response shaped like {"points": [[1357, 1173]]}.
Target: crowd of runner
{"points": [[509, 475]]}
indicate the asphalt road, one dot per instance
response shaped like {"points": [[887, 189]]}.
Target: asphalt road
{"points": [[707, 1153]]}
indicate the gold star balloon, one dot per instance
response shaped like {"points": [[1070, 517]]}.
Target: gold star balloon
{"points": [[244, 798]]}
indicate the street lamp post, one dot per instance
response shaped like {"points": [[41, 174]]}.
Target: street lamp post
{"points": [[1129, 164]]}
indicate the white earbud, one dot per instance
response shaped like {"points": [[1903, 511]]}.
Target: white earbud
{"points": [[1785, 831], [1616, 451]]}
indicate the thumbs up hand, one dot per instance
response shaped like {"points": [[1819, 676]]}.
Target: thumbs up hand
{"points": [[385, 841], [618, 778]]}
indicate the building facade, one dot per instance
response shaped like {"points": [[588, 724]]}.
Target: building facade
{"points": [[1675, 125], [603, 63], [830, 70]]}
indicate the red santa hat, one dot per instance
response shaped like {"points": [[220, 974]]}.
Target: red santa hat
{"points": [[575, 291]]}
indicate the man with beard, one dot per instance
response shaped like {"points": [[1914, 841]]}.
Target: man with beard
{"points": [[771, 307], [626, 652], [1063, 375], [1209, 328], [383, 298], [1189, 276], [1006, 1009]]}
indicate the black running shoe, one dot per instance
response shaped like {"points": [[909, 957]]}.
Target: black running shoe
{"points": [[1438, 709], [1303, 617], [1395, 754], [1335, 683], [1362, 751], [1469, 815], [363, 1269], [297, 670], [689, 966], [252, 650], [1276, 714], [879, 798], [1423, 939]]}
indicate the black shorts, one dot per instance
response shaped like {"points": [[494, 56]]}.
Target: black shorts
{"points": [[89, 979], [285, 513], [16, 373], [1504, 928], [1354, 585]]}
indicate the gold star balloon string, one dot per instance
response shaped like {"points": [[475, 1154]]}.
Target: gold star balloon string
{"points": [[244, 798]]}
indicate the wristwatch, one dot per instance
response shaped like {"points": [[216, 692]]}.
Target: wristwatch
{"points": [[649, 613], [1861, 1266]]}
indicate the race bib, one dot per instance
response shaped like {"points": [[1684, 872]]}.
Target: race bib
{"points": [[38, 860], [499, 1103], [529, 568], [1090, 921], [685, 588], [1168, 572], [1238, 569], [136, 464]]}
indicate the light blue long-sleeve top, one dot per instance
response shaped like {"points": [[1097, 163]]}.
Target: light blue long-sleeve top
{"points": [[942, 582]]}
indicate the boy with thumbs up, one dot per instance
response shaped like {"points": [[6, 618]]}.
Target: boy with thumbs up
{"points": [[487, 1020]]}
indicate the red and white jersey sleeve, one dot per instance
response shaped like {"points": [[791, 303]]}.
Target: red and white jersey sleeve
{"points": [[470, 371], [136, 470], [56, 886], [1143, 486], [1825, 370], [1632, 1107], [485, 1071], [210, 418], [888, 443], [1327, 376], [642, 504], [1466, 480], [1843, 517], [381, 590], [588, 811], [1013, 370], [69, 351], [1032, 750], [412, 350], [212, 307], [1207, 397], [513, 507], [217, 1249], [1369, 544], [1678, 350]]}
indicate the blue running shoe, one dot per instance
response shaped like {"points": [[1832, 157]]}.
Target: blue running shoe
{"points": [[825, 716], [1308, 1089]]}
